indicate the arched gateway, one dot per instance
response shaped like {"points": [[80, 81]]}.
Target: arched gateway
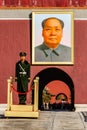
{"points": [[51, 74]]}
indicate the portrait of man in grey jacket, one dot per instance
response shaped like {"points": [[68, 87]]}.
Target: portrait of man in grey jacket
{"points": [[51, 50]]}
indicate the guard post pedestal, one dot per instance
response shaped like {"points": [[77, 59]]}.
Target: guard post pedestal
{"points": [[22, 110]]}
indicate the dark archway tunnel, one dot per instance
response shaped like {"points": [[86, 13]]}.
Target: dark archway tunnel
{"points": [[51, 74]]}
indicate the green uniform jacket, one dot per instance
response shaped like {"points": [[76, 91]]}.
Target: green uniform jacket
{"points": [[22, 79]]}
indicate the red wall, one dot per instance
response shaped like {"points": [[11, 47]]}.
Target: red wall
{"points": [[15, 37]]}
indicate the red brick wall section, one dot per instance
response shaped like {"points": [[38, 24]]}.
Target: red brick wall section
{"points": [[15, 37], [43, 3]]}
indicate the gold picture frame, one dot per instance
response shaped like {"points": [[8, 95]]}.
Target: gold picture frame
{"points": [[65, 55]]}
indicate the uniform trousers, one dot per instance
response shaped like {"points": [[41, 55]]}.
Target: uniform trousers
{"points": [[22, 97]]}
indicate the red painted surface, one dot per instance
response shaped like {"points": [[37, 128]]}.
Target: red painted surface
{"points": [[79, 3], [43, 3], [11, 2], [15, 37]]}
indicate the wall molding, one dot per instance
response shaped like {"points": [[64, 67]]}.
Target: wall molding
{"points": [[25, 13], [79, 107]]}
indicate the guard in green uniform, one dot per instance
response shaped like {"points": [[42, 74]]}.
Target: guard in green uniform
{"points": [[22, 77]]}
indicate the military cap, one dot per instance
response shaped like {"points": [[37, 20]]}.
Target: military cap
{"points": [[22, 54]]}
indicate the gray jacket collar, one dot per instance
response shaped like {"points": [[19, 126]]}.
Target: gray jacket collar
{"points": [[48, 50]]}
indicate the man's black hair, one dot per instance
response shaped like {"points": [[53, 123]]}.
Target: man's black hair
{"points": [[44, 21]]}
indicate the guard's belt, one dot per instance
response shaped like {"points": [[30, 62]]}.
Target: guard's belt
{"points": [[24, 73]]}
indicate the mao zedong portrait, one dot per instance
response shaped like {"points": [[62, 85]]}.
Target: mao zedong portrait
{"points": [[51, 50]]}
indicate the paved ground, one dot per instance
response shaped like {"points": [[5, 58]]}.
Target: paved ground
{"points": [[47, 121]]}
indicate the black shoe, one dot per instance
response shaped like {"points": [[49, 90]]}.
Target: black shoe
{"points": [[19, 104], [23, 103]]}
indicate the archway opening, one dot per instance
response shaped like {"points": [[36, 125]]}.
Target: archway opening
{"points": [[55, 74], [56, 96]]}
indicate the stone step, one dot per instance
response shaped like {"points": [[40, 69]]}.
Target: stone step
{"points": [[63, 120], [22, 108], [47, 120], [33, 114]]}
